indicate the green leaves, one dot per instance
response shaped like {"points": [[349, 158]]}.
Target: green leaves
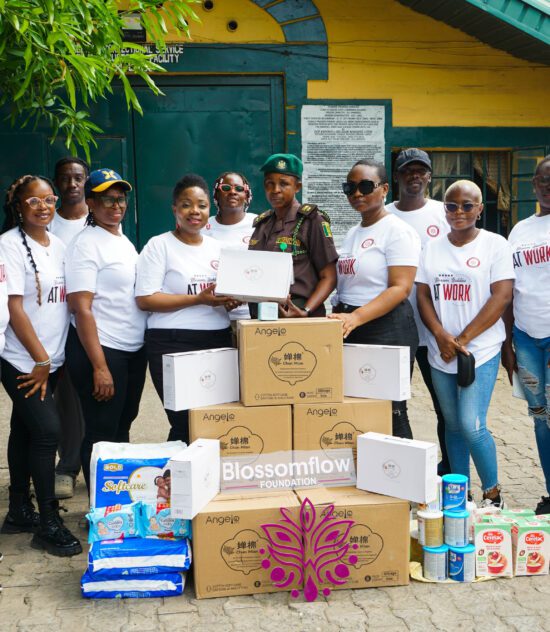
{"points": [[57, 55]]}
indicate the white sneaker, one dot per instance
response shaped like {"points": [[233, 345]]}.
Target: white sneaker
{"points": [[64, 486]]}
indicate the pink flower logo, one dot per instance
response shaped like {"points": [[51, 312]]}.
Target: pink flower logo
{"points": [[314, 551]]}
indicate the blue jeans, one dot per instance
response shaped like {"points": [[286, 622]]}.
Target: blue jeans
{"points": [[533, 358], [465, 412]]}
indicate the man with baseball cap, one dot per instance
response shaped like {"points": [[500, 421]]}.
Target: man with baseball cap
{"points": [[413, 174], [303, 230]]}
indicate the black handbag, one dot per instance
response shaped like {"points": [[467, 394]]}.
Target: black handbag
{"points": [[466, 368]]}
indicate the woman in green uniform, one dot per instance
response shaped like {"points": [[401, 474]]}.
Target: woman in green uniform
{"points": [[302, 230]]}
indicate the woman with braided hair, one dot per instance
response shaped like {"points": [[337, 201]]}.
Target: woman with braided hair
{"points": [[33, 353]]}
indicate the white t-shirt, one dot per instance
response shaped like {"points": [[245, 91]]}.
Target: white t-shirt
{"points": [[460, 284], [4, 311], [235, 236], [105, 264], [429, 222], [367, 252], [50, 320], [169, 266], [530, 242], [66, 229]]}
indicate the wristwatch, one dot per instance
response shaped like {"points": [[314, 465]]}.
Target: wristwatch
{"points": [[307, 310]]}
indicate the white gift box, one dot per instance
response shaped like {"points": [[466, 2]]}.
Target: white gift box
{"points": [[404, 468], [200, 378]]}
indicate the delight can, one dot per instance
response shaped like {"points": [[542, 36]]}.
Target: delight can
{"points": [[430, 528], [456, 528], [435, 563], [455, 492], [462, 563]]}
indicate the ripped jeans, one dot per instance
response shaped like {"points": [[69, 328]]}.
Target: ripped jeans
{"points": [[533, 358], [465, 412]]}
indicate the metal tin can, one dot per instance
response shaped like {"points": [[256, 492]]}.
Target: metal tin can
{"points": [[462, 562], [455, 492], [430, 528], [435, 563], [456, 528]]}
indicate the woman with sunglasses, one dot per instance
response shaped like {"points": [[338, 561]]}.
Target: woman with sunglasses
{"points": [[527, 346], [105, 346], [232, 225], [176, 277], [33, 353], [464, 284], [376, 272]]}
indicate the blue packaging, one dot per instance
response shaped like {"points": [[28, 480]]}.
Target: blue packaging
{"points": [[138, 556], [455, 492], [135, 587], [435, 562], [111, 523], [155, 521], [123, 473], [456, 528], [462, 563]]}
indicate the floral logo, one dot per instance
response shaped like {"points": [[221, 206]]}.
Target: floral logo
{"points": [[313, 551]]}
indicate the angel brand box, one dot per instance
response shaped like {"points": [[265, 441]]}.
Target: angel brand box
{"points": [[243, 430], [230, 548], [295, 360], [370, 539]]}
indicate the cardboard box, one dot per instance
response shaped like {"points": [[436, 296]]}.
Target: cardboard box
{"points": [[195, 473], [377, 371], [242, 429], [254, 276], [330, 426], [531, 546], [228, 542], [200, 378], [379, 537], [493, 542], [404, 468], [296, 360]]}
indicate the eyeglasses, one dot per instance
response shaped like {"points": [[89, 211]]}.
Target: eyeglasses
{"points": [[366, 187], [227, 187], [36, 202], [543, 180], [110, 200], [451, 207]]}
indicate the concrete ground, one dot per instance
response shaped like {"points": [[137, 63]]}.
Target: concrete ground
{"points": [[42, 592]]}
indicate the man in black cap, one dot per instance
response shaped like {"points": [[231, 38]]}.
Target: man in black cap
{"points": [[302, 230], [413, 174]]}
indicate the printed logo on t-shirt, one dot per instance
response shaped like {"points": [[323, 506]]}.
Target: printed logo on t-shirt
{"points": [[208, 226], [3, 277], [433, 230], [473, 262], [215, 263], [58, 293], [367, 243], [199, 283], [452, 288], [346, 265], [532, 255]]}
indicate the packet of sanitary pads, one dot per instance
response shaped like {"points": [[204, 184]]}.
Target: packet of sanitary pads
{"points": [[135, 587], [116, 521], [138, 556], [155, 521]]}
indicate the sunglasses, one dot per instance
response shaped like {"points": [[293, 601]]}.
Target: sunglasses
{"points": [[110, 200], [543, 180], [228, 187], [36, 202], [451, 207], [366, 187]]}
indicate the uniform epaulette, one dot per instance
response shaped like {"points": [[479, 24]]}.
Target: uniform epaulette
{"points": [[307, 209], [260, 218]]}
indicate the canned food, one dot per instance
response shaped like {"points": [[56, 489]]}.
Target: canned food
{"points": [[462, 562], [456, 528], [430, 528], [455, 492], [435, 563]]}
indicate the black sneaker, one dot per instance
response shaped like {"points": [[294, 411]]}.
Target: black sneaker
{"points": [[21, 519], [544, 506], [54, 537]]}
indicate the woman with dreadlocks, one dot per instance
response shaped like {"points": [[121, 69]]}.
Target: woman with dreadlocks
{"points": [[105, 353], [232, 225], [33, 353]]}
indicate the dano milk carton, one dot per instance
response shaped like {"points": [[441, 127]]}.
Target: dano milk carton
{"points": [[531, 546], [493, 541]]}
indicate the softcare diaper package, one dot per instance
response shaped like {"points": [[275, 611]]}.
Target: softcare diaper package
{"points": [[134, 587], [123, 473]]}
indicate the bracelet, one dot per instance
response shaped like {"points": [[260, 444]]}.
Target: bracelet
{"points": [[45, 363]]}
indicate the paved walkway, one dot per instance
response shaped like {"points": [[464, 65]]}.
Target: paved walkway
{"points": [[42, 592]]}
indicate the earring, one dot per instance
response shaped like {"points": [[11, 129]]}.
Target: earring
{"points": [[478, 217], [20, 217]]}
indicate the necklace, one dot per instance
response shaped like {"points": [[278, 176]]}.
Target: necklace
{"points": [[460, 244]]}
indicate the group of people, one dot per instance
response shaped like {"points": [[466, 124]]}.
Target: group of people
{"points": [[82, 314]]}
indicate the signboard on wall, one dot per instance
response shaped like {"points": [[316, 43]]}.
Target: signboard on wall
{"points": [[334, 137]]}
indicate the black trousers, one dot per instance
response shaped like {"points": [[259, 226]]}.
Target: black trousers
{"points": [[110, 420], [161, 341], [423, 364], [34, 434], [395, 328]]}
